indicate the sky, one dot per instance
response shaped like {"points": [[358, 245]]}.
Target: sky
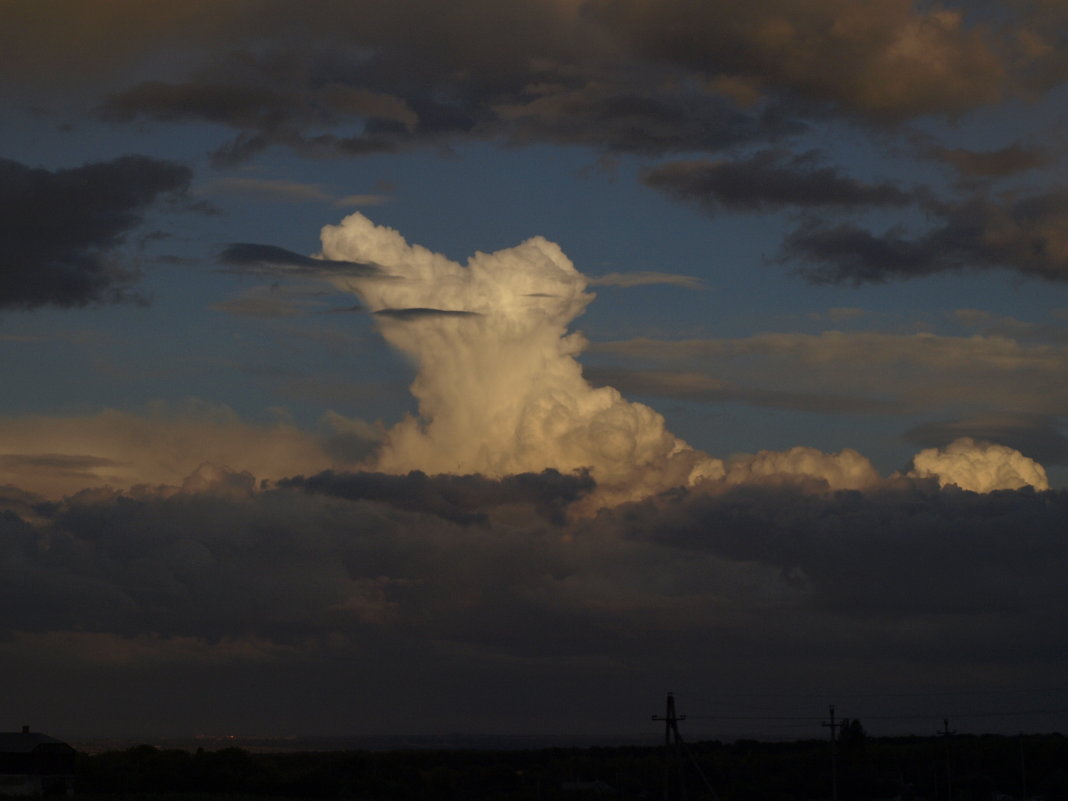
{"points": [[495, 367]]}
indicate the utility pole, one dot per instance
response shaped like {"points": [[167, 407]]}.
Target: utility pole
{"points": [[834, 753], [672, 748], [946, 733], [675, 750], [1023, 770]]}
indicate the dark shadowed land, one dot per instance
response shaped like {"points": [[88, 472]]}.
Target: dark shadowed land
{"points": [[958, 767]]}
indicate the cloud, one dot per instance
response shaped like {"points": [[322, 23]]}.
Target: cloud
{"points": [[990, 324], [405, 315], [845, 470], [237, 105], [630, 76], [765, 181], [500, 391], [631, 116], [363, 200], [856, 348], [248, 258], [635, 278], [275, 112], [1040, 436], [273, 302], [270, 110], [649, 120], [897, 551], [892, 61], [1024, 234], [295, 191], [375, 83], [999, 163], [889, 61], [692, 385], [979, 467], [498, 386], [63, 230], [839, 314], [856, 372], [458, 499], [860, 588], [61, 461], [55, 456]]}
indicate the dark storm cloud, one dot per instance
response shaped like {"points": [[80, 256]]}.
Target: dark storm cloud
{"points": [[1040, 437], [889, 60], [286, 565], [459, 499], [1028, 235], [254, 259], [375, 83], [395, 556], [766, 181], [903, 587], [61, 231], [626, 75], [903, 550]]}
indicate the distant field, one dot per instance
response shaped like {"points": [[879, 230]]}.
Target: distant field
{"points": [[965, 768]]}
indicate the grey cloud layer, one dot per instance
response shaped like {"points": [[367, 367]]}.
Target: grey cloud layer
{"points": [[699, 386], [1003, 384]]}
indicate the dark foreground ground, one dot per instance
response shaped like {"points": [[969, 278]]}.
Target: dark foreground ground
{"points": [[962, 768]]}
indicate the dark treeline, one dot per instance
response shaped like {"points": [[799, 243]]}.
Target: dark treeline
{"points": [[962, 768]]}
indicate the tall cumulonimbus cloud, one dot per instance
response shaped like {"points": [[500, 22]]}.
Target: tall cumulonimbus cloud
{"points": [[499, 389]]}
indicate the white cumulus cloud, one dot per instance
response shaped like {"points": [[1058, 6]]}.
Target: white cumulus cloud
{"points": [[979, 466], [846, 469]]}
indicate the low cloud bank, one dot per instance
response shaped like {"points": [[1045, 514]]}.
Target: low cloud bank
{"points": [[434, 590]]}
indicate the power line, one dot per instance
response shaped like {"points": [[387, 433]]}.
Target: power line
{"points": [[813, 719], [1031, 691]]}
